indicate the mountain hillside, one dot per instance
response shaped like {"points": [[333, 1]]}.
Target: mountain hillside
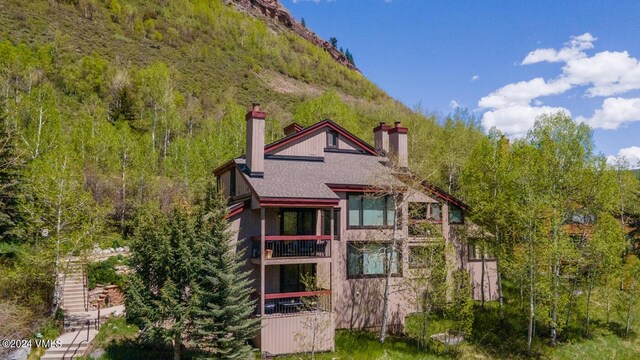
{"points": [[110, 106], [206, 58]]}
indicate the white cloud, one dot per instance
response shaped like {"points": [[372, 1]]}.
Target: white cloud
{"points": [[630, 154], [574, 49], [516, 120], [606, 73], [614, 113], [475, 77], [521, 93], [454, 104], [609, 73]]}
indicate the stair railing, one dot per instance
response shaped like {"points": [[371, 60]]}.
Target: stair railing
{"points": [[85, 288], [85, 325]]}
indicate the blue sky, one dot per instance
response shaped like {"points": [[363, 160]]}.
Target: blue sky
{"points": [[505, 60]]}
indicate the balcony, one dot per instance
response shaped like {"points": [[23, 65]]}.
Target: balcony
{"points": [[292, 247], [292, 303]]}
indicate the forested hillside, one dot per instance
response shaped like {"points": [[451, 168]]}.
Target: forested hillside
{"points": [[110, 105]]}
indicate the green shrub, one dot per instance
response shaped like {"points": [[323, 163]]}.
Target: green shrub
{"points": [[104, 272]]}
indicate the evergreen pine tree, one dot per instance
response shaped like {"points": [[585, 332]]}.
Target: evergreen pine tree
{"points": [[224, 321], [160, 297], [303, 23], [349, 57], [123, 106], [9, 180]]}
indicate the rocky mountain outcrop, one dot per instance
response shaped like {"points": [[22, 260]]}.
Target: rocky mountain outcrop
{"points": [[273, 10]]}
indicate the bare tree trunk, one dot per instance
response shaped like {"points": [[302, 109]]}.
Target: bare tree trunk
{"points": [[387, 279], [632, 291], [531, 294], [153, 128], [37, 149], [499, 275], [554, 308], [123, 190], [57, 285], [167, 133], [608, 304], [177, 347], [590, 289], [482, 278]]}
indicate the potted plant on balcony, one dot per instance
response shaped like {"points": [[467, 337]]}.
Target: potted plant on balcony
{"points": [[268, 253]]}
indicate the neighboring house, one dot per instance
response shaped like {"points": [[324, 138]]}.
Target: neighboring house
{"points": [[303, 205]]}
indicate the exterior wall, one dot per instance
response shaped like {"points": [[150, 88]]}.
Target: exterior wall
{"points": [[313, 145], [225, 180], [358, 301], [293, 334], [242, 227], [242, 187], [490, 279]]}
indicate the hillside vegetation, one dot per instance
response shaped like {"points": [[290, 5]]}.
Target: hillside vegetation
{"points": [[110, 105]]}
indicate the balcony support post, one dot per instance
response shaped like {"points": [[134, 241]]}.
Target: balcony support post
{"points": [[262, 257], [332, 246]]}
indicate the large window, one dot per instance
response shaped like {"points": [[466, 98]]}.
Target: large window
{"points": [[455, 215], [298, 222], [332, 139], [424, 219], [370, 260], [370, 211], [232, 182]]}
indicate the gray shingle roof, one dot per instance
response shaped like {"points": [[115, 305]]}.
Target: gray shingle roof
{"points": [[309, 179]]}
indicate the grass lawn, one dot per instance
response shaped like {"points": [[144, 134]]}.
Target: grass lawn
{"points": [[602, 347], [362, 345], [120, 341]]}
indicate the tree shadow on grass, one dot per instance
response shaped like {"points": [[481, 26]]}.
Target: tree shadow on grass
{"points": [[130, 349], [502, 338]]}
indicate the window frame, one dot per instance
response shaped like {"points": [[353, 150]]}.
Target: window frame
{"points": [[336, 222], [358, 245], [361, 225]]}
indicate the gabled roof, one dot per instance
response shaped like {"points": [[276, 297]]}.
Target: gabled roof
{"points": [[328, 123], [313, 179], [366, 148], [300, 178]]}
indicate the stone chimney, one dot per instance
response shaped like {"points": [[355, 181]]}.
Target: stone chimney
{"points": [[398, 144], [381, 138], [255, 141]]}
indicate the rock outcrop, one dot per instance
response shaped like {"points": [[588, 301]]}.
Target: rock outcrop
{"points": [[272, 9]]}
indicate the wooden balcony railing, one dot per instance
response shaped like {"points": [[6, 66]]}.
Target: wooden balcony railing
{"points": [[297, 302], [287, 246]]}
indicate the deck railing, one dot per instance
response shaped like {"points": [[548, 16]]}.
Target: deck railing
{"points": [[284, 246], [297, 302]]}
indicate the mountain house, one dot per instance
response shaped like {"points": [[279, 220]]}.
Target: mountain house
{"points": [[315, 212]]}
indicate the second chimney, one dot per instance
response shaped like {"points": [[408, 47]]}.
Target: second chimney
{"points": [[398, 144], [255, 141], [381, 138]]}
